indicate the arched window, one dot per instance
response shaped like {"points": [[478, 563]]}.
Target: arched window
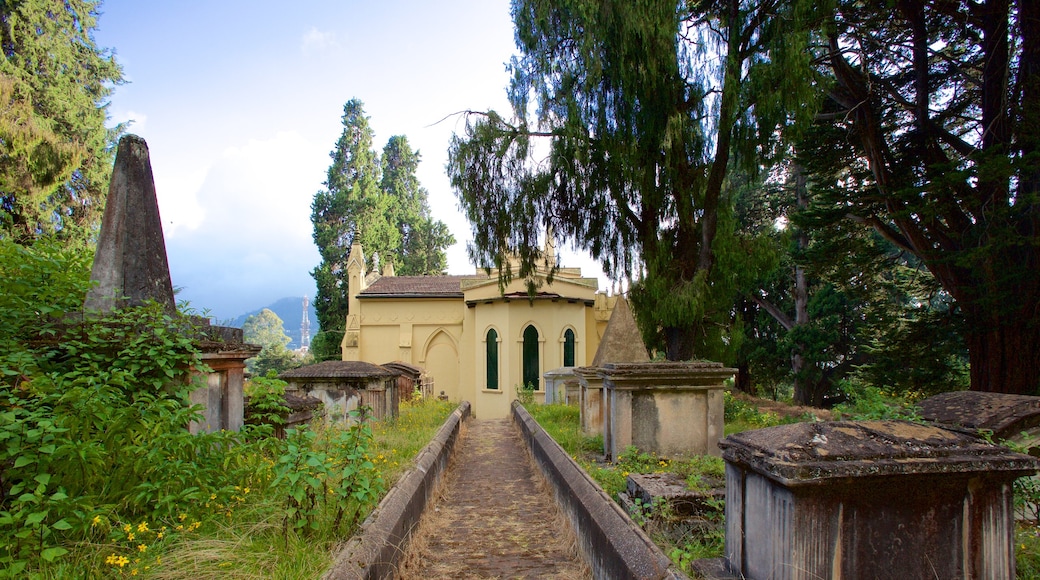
{"points": [[568, 348], [492, 359], [530, 371]]}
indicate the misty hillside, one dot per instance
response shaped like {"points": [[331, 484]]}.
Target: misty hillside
{"points": [[290, 310]]}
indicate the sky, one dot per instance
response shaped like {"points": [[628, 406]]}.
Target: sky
{"points": [[240, 103]]}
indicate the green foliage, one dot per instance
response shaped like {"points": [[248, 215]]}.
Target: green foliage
{"points": [[266, 400], [94, 411], [644, 107], [267, 330], [741, 415], [326, 345], [327, 471], [377, 202], [423, 239], [57, 154], [894, 152], [524, 393], [869, 403]]}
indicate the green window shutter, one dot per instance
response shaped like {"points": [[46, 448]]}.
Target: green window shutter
{"points": [[568, 348], [530, 375], [492, 359]]}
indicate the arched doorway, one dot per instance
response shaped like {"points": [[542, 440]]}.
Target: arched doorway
{"points": [[442, 363]]}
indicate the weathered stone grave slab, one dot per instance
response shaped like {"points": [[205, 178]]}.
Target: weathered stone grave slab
{"points": [[1006, 416], [878, 499], [669, 490]]}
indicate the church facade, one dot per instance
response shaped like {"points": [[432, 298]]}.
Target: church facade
{"points": [[476, 341]]}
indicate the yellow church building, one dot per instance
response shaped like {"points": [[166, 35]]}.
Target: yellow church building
{"points": [[475, 341]]}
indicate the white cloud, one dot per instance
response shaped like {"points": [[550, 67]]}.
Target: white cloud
{"points": [[137, 122], [177, 192], [254, 204], [315, 41]]}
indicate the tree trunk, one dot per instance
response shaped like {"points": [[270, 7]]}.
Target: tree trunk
{"points": [[742, 382], [1006, 357], [803, 393], [678, 343]]}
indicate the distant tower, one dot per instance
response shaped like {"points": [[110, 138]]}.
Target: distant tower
{"points": [[305, 326]]}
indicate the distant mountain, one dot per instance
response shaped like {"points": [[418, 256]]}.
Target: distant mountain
{"points": [[290, 310]]}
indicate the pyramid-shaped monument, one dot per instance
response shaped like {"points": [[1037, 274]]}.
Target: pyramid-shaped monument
{"points": [[130, 265], [621, 342]]}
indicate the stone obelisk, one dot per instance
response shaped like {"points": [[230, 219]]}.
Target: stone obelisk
{"points": [[130, 265]]}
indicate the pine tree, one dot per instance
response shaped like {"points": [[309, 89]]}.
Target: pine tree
{"points": [[55, 154]]}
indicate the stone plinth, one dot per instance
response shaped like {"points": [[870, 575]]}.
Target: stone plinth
{"points": [[590, 400], [674, 409], [879, 499], [220, 394]]}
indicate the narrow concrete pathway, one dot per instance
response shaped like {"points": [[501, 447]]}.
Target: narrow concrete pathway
{"points": [[495, 517]]}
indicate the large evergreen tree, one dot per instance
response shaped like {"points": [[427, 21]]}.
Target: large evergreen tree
{"points": [[423, 239], [338, 212], [930, 137], [380, 203], [645, 107], [55, 151]]}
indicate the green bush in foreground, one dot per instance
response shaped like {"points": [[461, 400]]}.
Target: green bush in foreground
{"points": [[99, 475]]}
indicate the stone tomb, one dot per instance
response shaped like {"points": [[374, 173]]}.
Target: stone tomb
{"points": [[343, 386], [674, 409], [561, 386], [1012, 417], [221, 397], [130, 268], [621, 343], [879, 499]]}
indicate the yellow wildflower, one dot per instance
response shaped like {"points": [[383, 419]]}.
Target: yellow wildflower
{"points": [[182, 517], [142, 548], [142, 527], [95, 521], [127, 528], [130, 537]]}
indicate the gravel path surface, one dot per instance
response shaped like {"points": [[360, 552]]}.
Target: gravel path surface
{"points": [[495, 517]]}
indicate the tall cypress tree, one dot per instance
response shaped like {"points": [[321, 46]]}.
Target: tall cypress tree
{"points": [[423, 239], [339, 213], [55, 154], [379, 202]]}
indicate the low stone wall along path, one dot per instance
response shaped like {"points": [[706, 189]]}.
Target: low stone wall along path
{"points": [[495, 517]]}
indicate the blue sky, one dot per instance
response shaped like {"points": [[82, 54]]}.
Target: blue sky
{"points": [[240, 103]]}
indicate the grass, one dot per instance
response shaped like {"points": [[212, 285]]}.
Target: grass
{"points": [[246, 540]]}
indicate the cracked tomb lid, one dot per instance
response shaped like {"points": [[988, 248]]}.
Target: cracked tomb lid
{"points": [[815, 453], [1003, 414]]}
